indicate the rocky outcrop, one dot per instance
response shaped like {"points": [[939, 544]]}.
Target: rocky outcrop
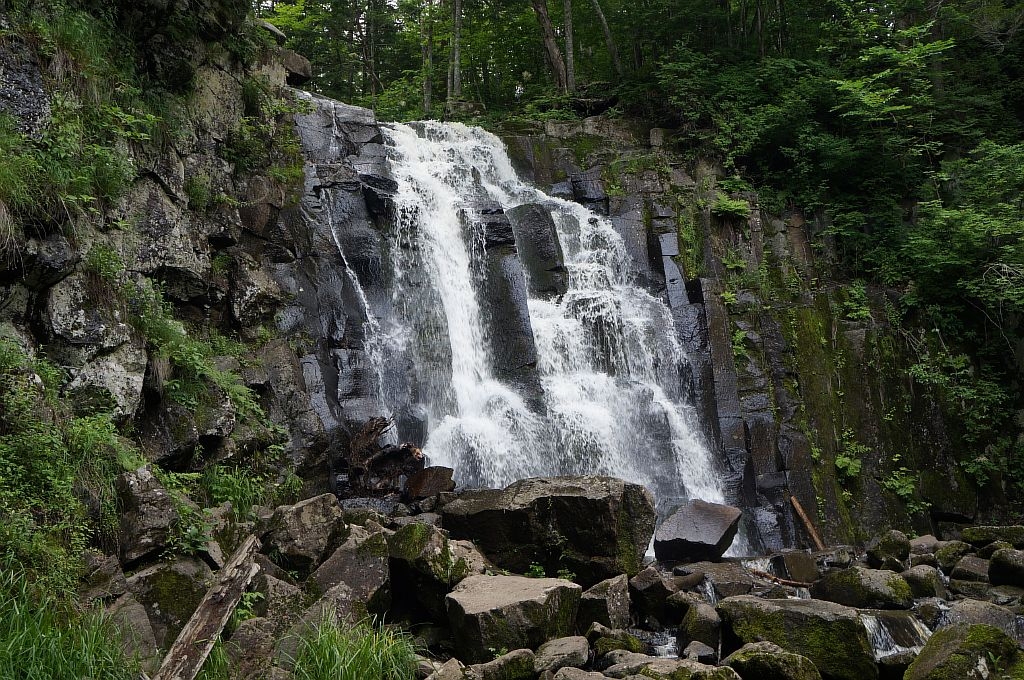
{"points": [[597, 527], [697, 531], [299, 535], [148, 514], [539, 249]]}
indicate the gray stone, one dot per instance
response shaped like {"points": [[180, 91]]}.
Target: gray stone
{"points": [[796, 565], [971, 568], [560, 653], [768, 661], [429, 482], [148, 512], [889, 551], [860, 587], [426, 565], [509, 612], [23, 95], [697, 531], [104, 579], [577, 674], [923, 545], [726, 578], [949, 553], [700, 652], [702, 624], [301, 534], [990, 549], [924, 581], [606, 603], [539, 248], [968, 652], [649, 590], [299, 70], [983, 535], [130, 619], [361, 562], [515, 665], [1006, 568], [170, 592], [979, 611]]}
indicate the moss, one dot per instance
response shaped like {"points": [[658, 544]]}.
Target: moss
{"points": [[627, 642], [956, 652], [375, 546], [408, 542], [175, 594], [984, 535], [900, 588]]}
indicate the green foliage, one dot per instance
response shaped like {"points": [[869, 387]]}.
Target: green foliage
{"points": [[535, 570], [856, 307], [332, 651], [43, 637], [198, 189], [241, 487], [739, 347], [903, 482], [729, 208], [849, 457], [567, 574]]}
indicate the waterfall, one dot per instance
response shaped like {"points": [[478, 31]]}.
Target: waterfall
{"points": [[607, 396]]}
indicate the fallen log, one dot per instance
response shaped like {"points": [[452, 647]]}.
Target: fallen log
{"points": [[807, 523], [186, 656], [778, 579]]}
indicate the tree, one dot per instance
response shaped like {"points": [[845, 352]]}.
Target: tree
{"points": [[551, 51]]}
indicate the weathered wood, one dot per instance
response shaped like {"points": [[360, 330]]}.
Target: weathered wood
{"points": [[777, 579], [807, 523], [186, 656]]}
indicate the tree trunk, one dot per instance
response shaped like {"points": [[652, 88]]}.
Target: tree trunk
{"points": [[455, 69], [570, 56], [608, 39], [554, 55], [427, 29]]}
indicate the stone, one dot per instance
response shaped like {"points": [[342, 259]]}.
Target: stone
{"points": [[597, 527], [425, 565], [702, 624], [924, 581], [949, 553], [251, 647], [606, 603], [795, 565], [889, 551], [980, 611], [131, 621], [990, 549], [829, 634], [280, 599], [515, 665], [301, 534], [1006, 568], [23, 95], [923, 545], [971, 568], [768, 661], [170, 592], [147, 514], [726, 578], [560, 653], [697, 531], [648, 591], [860, 587], [361, 562], [977, 590], [963, 651], [539, 248], [111, 382], [605, 640], [449, 670], [429, 482], [699, 652], [103, 580], [577, 674], [298, 68], [983, 535], [509, 612], [660, 668]]}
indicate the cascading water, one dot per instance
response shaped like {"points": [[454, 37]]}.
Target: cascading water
{"points": [[609, 364]]}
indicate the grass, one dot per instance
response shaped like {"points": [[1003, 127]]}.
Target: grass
{"points": [[42, 637], [330, 651]]}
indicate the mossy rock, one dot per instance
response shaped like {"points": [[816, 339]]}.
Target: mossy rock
{"points": [[767, 661], [964, 651], [981, 536], [629, 643], [950, 553], [865, 588]]}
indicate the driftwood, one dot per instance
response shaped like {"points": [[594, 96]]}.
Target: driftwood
{"points": [[807, 523], [374, 469], [186, 656], [776, 579]]}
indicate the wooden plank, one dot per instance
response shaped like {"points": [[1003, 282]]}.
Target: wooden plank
{"points": [[807, 523], [186, 656]]}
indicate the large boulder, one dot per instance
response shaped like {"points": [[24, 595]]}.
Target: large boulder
{"points": [[171, 593], [702, 624], [562, 653], [597, 527], [606, 603], [980, 611], [1006, 568], [768, 661], [967, 652], [300, 535], [148, 512], [509, 612], [829, 634], [981, 536], [631, 665], [860, 587], [889, 551], [361, 562], [515, 665], [649, 590], [697, 531]]}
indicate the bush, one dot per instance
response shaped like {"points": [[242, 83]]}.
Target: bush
{"points": [[333, 652]]}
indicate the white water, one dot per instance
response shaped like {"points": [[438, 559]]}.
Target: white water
{"points": [[892, 635], [608, 358]]}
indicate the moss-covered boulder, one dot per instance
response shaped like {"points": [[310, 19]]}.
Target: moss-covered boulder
{"points": [[949, 553], [605, 640], [981, 536], [924, 581], [768, 661], [889, 551], [860, 587], [964, 651], [829, 634], [361, 562], [597, 527], [300, 535], [701, 623], [489, 613], [170, 592], [1006, 568], [630, 665], [515, 665]]}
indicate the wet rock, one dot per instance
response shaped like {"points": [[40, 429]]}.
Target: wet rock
{"points": [[860, 587], [697, 531], [539, 248], [606, 603], [949, 553], [649, 590], [605, 640], [768, 661], [301, 534], [429, 482], [828, 634], [702, 624], [971, 568], [977, 590], [699, 652], [924, 581], [597, 527], [361, 562], [588, 189], [1006, 568], [148, 512], [967, 651], [562, 653], [990, 549], [795, 565], [516, 665], [509, 612], [170, 592], [889, 551], [726, 578], [980, 536]]}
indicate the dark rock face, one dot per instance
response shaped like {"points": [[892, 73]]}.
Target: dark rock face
{"points": [[429, 482], [606, 603], [697, 531], [597, 527], [889, 551], [539, 248], [301, 534]]}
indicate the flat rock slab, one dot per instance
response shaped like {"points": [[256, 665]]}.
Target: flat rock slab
{"points": [[697, 531], [510, 612], [860, 587]]}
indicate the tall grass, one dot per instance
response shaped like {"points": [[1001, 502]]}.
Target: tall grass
{"points": [[362, 652], [44, 638]]}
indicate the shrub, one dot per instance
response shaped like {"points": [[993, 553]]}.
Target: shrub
{"points": [[329, 651]]}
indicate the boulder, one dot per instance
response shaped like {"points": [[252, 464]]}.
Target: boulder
{"points": [[923, 545], [577, 674], [989, 550], [726, 578], [131, 621], [980, 611], [148, 512], [860, 587], [605, 640], [795, 565], [980, 536], [562, 653], [361, 562], [889, 551], [699, 652], [170, 592], [697, 531], [1006, 568], [301, 534], [103, 578], [539, 248], [829, 634], [660, 668], [509, 612], [597, 527], [702, 624], [768, 661], [971, 568], [515, 665], [298, 68], [449, 670], [964, 651], [924, 581], [429, 482], [425, 565], [606, 603], [949, 553], [649, 590]]}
